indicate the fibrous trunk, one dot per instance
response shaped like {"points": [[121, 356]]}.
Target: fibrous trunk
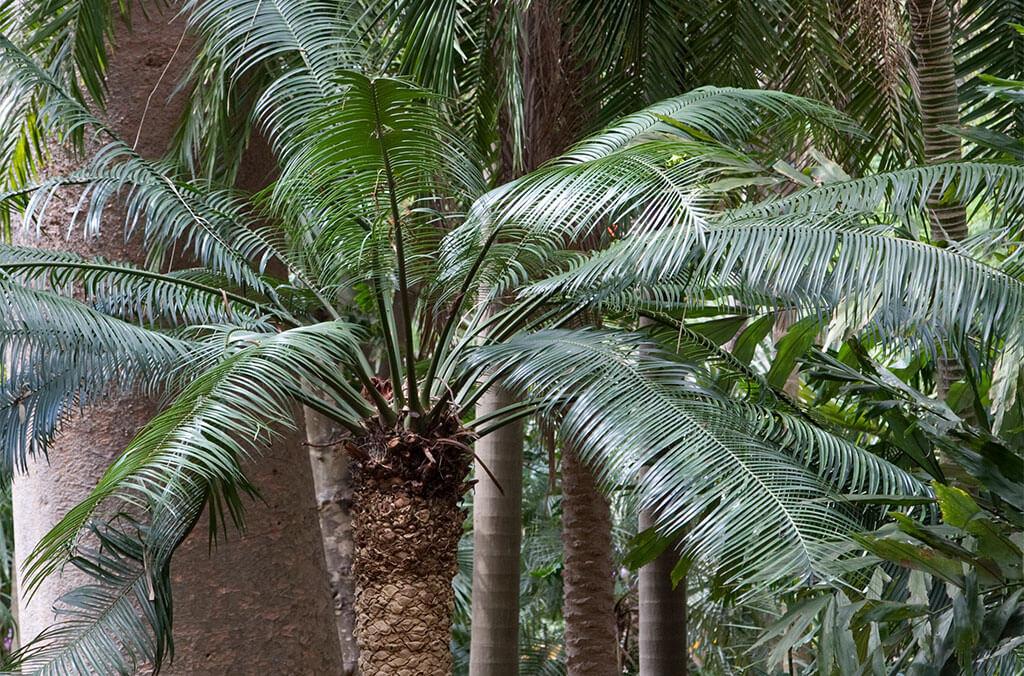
{"points": [[932, 36], [591, 636], [407, 523]]}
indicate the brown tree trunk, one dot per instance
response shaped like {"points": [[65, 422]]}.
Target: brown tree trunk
{"points": [[407, 523], [591, 641], [497, 514], [257, 601], [932, 38], [333, 487], [663, 643]]}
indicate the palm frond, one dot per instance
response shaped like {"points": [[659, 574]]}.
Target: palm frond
{"points": [[270, 62], [211, 427], [210, 224], [873, 280], [905, 191], [729, 116], [749, 507], [190, 296], [60, 355], [122, 619], [991, 46]]}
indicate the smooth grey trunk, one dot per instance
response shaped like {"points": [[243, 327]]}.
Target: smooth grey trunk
{"points": [[932, 39], [663, 642], [333, 487], [497, 536], [259, 599]]}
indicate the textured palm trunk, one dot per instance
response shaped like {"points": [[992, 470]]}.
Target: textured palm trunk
{"points": [[258, 600], [407, 522], [663, 644], [932, 37], [591, 637], [497, 535], [333, 488]]}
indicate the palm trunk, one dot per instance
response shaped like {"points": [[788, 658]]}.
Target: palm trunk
{"points": [[332, 485], [256, 601], [663, 643], [497, 534], [591, 640], [407, 522], [932, 37]]}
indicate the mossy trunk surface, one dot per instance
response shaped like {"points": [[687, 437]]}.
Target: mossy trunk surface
{"points": [[407, 522]]}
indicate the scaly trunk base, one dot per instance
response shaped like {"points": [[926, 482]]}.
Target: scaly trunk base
{"points": [[407, 524]]}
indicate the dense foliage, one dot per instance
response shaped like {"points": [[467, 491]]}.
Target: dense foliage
{"points": [[729, 297]]}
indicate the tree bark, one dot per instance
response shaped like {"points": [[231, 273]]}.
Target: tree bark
{"points": [[932, 38], [497, 517], [663, 642], [332, 483], [497, 536], [407, 522], [591, 641], [258, 601]]}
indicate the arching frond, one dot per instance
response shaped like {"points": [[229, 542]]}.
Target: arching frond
{"points": [[278, 57], [905, 191], [121, 619], [191, 296], [817, 263], [211, 427], [61, 355], [729, 116], [841, 463], [211, 224], [749, 508]]}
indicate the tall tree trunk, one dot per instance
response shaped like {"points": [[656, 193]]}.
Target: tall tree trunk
{"points": [[497, 536], [591, 641], [497, 514], [333, 487], [663, 642], [255, 602], [932, 37]]}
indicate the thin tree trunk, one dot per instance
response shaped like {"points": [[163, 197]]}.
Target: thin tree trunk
{"points": [[333, 487], [591, 642], [497, 514], [663, 643], [497, 536], [258, 600], [932, 38]]}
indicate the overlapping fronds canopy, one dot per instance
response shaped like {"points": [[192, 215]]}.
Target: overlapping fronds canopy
{"points": [[381, 213]]}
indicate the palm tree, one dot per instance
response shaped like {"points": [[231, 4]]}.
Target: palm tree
{"points": [[380, 242]]}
